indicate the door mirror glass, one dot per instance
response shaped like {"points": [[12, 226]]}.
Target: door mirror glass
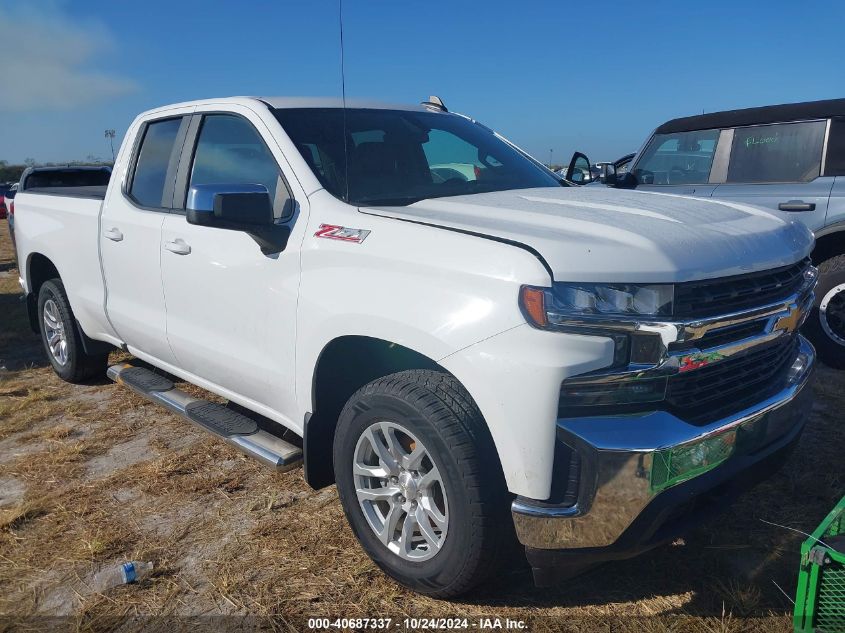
{"points": [[579, 171]]}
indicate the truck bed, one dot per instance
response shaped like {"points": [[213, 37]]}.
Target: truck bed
{"points": [[62, 225]]}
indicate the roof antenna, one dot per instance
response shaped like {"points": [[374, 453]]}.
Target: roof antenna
{"points": [[343, 97]]}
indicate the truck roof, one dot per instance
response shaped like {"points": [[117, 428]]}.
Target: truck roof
{"points": [[756, 116], [335, 102], [292, 102]]}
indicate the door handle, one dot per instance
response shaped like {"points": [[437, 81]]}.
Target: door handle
{"points": [[178, 246], [113, 234], [797, 205]]}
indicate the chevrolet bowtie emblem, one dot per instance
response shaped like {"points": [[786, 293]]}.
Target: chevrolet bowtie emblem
{"points": [[791, 321]]}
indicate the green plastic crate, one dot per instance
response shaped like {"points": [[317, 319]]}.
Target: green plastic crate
{"points": [[820, 601]]}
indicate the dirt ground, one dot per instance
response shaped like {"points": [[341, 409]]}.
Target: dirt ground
{"points": [[93, 475]]}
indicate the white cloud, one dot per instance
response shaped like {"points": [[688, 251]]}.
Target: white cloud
{"points": [[48, 61]]}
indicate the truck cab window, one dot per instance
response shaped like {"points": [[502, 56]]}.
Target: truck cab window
{"points": [[786, 152], [147, 187], [230, 151], [679, 158]]}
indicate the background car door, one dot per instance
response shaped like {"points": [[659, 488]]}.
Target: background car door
{"points": [[130, 238], [778, 167], [678, 163], [231, 309]]}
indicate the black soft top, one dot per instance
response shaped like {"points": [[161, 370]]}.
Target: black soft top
{"points": [[756, 116]]}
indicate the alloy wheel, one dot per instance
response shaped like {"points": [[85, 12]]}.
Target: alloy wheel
{"points": [[400, 491], [54, 331]]}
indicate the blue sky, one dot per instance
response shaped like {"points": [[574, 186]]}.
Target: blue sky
{"points": [[595, 76]]}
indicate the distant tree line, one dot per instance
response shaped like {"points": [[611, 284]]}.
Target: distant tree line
{"points": [[10, 172]]}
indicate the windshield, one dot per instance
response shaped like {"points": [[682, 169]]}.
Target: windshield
{"points": [[398, 157]]}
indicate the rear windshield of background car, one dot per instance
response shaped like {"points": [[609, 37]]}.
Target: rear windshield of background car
{"points": [[679, 158], [68, 178], [785, 152]]}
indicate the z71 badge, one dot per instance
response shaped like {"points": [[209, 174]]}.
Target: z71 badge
{"points": [[342, 233]]}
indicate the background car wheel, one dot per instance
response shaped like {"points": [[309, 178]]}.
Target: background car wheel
{"points": [[420, 482], [61, 339], [826, 325]]}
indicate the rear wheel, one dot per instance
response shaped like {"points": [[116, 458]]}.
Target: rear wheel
{"points": [[61, 339], [420, 482]]}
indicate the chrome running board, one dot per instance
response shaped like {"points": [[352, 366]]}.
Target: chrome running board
{"points": [[234, 428]]}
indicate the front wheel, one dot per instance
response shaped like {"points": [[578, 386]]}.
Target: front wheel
{"points": [[420, 482], [62, 341], [826, 325]]}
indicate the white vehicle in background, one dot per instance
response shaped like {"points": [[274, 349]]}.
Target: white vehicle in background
{"points": [[465, 358]]}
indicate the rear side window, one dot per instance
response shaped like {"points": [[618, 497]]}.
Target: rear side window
{"points": [[786, 152], [679, 158], [231, 152], [153, 161]]}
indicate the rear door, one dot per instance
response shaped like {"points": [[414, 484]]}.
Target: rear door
{"points": [[130, 237], [779, 167], [678, 163]]}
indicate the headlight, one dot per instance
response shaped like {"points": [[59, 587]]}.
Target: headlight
{"points": [[545, 307]]}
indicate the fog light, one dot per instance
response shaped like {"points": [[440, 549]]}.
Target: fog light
{"points": [[799, 366], [671, 466]]}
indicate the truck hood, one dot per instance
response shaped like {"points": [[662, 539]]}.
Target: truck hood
{"points": [[610, 235]]}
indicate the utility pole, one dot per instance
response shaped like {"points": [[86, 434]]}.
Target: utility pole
{"points": [[551, 151], [110, 136]]}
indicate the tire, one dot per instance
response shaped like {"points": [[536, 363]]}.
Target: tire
{"points": [[824, 328], [434, 409], [69, 359]]}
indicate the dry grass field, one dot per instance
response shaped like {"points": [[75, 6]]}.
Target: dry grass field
{"points": [[93, 475]]}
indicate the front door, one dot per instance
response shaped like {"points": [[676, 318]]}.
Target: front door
{"points": [[130, 237], [231, 309]]}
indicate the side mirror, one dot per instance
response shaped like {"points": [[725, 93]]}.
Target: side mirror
{"points": [[608, 174], [579, 171], [235, 207], [240, 207]]}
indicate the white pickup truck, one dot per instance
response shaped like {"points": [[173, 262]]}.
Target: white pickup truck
{"points": [[469, 354]]}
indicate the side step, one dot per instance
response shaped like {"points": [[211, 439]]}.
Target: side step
{"points": [[233, 427]]}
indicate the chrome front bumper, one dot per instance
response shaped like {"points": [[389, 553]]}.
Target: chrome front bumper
{"points": [[619, 455]]}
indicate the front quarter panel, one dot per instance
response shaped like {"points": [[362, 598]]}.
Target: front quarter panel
{"points": [[439, 293], [432, 290]]}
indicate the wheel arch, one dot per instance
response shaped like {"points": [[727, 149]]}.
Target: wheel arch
{"points": [[344, 365], [39, 268], [829, 243]]}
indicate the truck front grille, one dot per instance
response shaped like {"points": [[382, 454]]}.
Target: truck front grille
{"points": [[731, 385], [698, 299]]}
